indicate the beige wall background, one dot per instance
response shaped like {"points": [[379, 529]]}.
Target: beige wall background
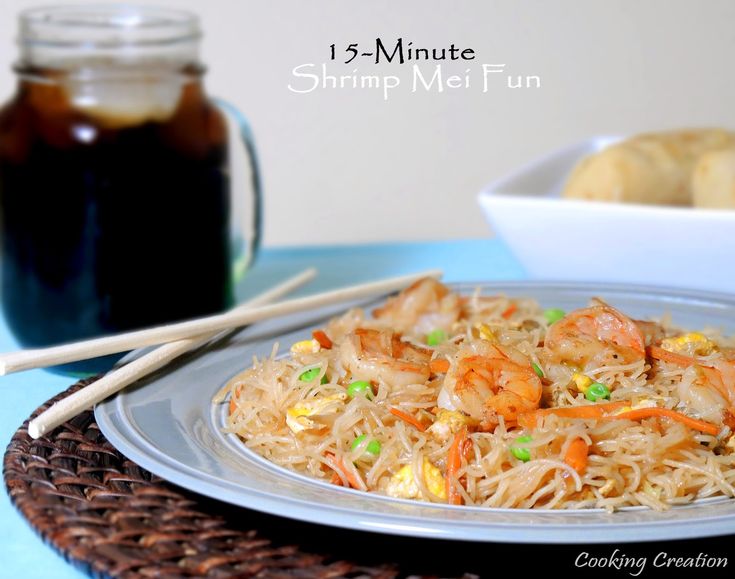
{"points": [[346, 166]]}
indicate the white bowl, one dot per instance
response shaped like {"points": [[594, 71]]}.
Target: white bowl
{"points": [[563, 239]]}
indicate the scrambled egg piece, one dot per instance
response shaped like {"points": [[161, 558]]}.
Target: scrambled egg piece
{"points": [[643, 403], [486, 333], [402, 485], [447, 423], [306, 347], [691, 344], [297, 416], [652, 490], [582, 381]]}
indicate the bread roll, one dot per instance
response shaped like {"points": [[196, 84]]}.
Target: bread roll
{"points": [[653, 168], [713, 181]]}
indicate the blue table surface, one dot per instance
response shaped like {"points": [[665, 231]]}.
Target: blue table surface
{"points": [[23, 552]]}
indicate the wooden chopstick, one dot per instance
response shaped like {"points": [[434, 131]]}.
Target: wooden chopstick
{"points": [[119, 378], [39, 358]]}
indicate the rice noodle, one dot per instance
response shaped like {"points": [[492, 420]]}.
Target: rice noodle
{"points": [[653, 462]]}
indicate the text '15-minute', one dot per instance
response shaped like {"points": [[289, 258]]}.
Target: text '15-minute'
{"points": [[400, 52]]}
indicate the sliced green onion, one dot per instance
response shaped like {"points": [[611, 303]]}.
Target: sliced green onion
{"points": [[436, 337], [554, 315], [538, 370], [521, 453], [360, 388], [597, 391], [373, 447]]}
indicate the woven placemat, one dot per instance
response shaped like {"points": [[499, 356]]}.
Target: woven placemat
{"points": [[111, 518]]}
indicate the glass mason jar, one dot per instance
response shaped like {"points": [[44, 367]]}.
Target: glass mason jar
{"points": [[128, 197]]}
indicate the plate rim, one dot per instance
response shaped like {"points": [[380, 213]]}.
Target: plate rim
{"points": [[146, 455]]}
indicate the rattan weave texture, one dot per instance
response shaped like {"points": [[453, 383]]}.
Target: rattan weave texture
{"points": [[112, 518]]}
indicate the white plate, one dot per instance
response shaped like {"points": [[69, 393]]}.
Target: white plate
{"points": [[557, 238], [169, 426]]}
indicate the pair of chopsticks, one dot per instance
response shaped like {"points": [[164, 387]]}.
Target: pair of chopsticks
{"points": [[178, 339]]}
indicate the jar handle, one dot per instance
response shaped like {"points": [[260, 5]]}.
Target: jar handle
{"points": [[247, 213]]}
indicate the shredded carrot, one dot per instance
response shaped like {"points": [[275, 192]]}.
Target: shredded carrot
{"points": [[588, 411], [658, 353], [454, 462], [439, 366], [339, 467], [602, 412], [407, 418], [577, 454], [693, 423], [509, 311], [323, 339], [233, 397]]}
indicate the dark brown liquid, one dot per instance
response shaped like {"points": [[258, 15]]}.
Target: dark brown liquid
{"points": [[106, 226]]}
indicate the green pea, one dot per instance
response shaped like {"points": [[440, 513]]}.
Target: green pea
{"points": [[373, 447], [554, 315], [312, 373], [360, 388], [538, 370], [436, 337], [521, 453], [596, 391]]}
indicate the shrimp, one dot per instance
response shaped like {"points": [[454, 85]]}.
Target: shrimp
{"points": [[702, 390], [423, 307], [598, 335], [707, 385], [712, 392], [487, 381], [339, 327], [381, 356], [652, 332]]}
